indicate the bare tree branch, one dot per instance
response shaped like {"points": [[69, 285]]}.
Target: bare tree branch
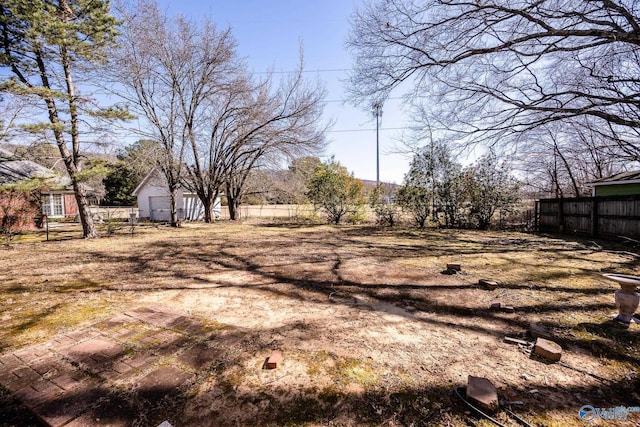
{"points": [[491, 70]]}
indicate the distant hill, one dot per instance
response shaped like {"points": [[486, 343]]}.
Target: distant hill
{"points": [[370, 185]]}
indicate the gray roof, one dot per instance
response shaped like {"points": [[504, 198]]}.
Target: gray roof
{"points": [[12, 171], [620, 178]]}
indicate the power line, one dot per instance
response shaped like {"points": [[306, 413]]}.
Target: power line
{"points": [[342, 100], [367, 130], [328, 70]]}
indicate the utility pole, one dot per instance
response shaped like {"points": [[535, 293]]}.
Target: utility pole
{"points": [[377, 111]]}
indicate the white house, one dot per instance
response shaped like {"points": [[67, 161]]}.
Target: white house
{"points": [[154, 201]]}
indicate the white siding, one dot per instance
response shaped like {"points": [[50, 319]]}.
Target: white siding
{"points": [[160, 208], [144, 196], [154, 202], [193, 208], [156, 187]]}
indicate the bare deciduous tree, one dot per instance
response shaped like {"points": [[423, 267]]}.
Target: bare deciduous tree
{"points": [[214, 120], [492, 70], [284, 123], [165, 70], [557, 159]]}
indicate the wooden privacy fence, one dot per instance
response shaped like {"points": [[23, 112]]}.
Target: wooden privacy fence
{"points": [[592, 216]]}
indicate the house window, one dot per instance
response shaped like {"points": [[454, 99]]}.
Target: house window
{"points": [[53, 205]]}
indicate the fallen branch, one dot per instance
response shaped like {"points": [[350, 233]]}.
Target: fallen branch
{"points": [[600, 248], [632, 254], [595, 244], [629, 239]]}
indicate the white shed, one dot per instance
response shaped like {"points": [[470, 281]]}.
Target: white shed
{"points": [[154, 201]]}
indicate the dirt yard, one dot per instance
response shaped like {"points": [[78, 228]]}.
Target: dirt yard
{"points": [[372, 331]]}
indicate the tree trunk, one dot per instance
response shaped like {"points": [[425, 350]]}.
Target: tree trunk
{"points": [[89, 230], [175, 221], [484, 223], [233, 200], [567, 167], [232, 209], [208, 205]]}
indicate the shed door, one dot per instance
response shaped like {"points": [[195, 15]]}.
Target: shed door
{"points": [[160, 207]]}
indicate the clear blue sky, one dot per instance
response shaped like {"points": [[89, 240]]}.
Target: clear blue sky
{"points": [[269, 33]]}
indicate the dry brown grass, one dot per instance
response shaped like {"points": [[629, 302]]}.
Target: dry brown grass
{"points": [[373, 333]]}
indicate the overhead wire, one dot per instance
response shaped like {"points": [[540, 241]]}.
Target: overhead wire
{"points": [[367, 130], [331, 70]]}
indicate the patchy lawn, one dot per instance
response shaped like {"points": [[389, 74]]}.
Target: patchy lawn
{"points": [[371, 330]]}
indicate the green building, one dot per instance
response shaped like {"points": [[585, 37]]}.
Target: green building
{"points": [[622, 184]]}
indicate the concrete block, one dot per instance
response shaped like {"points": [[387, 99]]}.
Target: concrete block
{"points": [[548, 349], [482, 393], [38, 393], [61, 411], [274, 359], [454, 267], [508, 309], [488, 284], [69, 380]]}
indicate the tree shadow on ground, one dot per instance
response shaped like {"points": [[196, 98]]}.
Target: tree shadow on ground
{"points": [[311, 268], [13, 413], [213, 398], [312, 265]]}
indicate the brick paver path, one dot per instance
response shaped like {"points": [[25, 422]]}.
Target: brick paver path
{"points": [[112, 372]]}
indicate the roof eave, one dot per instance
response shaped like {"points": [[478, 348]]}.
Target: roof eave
{"points": [[596, 184], [143, 183]]}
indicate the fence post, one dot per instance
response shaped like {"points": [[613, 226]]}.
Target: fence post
{"points": [[594, 217], [561, 215]]}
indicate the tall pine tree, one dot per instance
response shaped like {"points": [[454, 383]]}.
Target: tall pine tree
{"points": [[46, 44]]}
